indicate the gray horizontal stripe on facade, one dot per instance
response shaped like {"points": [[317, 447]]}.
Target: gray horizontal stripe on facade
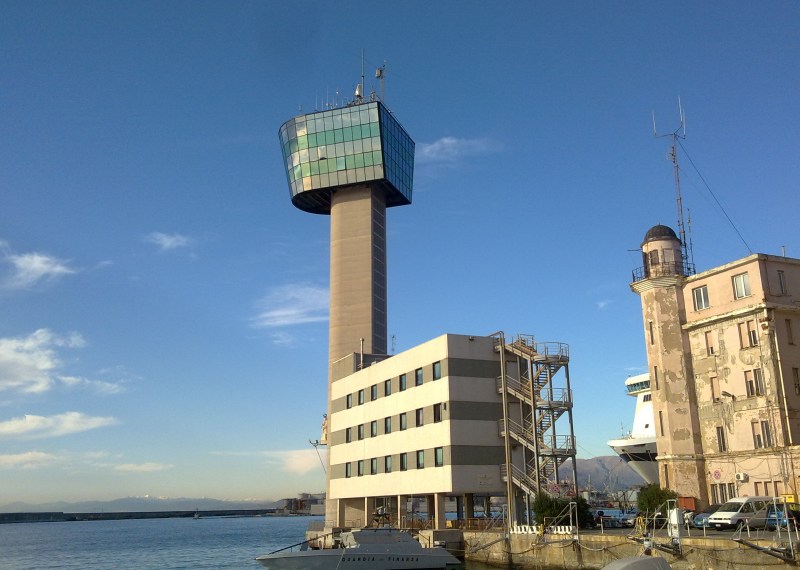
{"points": [[450, 367], [488, 411], [456, 455]]}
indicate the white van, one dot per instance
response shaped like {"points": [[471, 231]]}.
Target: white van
{"points": [[736, 511]]}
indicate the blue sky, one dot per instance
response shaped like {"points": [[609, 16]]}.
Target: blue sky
{"points": [[163, 306]]}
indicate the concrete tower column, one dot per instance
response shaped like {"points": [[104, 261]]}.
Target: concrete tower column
{"points": [[358, 272]]}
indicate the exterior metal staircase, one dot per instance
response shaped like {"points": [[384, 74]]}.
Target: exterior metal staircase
{"points": [[537, 419]]}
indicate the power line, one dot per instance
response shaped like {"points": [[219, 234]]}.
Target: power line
{"points": [[727, 217]]}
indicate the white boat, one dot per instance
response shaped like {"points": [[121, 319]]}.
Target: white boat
{"points": [[374, 548], [638, 448]]}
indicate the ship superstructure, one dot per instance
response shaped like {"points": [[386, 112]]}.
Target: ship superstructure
{"points": [[638, 448]]}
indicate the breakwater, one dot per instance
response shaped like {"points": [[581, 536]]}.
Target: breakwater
{"points": [[111, 516]]}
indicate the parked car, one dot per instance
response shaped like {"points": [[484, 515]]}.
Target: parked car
{"points": [[777, 515], [737, 511], [700, 520]]}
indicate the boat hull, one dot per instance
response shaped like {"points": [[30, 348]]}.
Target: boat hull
{"points": [[339, 558], [640, 454]]}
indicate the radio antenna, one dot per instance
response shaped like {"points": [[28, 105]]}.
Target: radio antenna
{"points": [[672, 156]]}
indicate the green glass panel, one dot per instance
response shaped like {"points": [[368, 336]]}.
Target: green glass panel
{"points": [[314, 167], [364, 132], [375, 129], [337, 121], [367, 159], [323, 166], [331, 165], [306, 169], [302, 142], [355, 119], [359, 160], [338, 135], [373, 114], [348, 133], [293, 145], [376, 157], [340, 164], [329, 137], [312, 140], [350, 162], [296, 172]]}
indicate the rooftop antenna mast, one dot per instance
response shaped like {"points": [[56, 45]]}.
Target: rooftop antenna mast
{"points": [[380, 75], [672, 156]]}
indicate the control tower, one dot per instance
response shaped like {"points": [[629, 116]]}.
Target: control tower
{"points": [[351, 163]]}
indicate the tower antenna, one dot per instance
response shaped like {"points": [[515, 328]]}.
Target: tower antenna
{"points": [[672, 156], [380, 74]]}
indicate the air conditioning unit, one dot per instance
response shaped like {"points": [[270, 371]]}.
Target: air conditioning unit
{"points": [[742, 477]]}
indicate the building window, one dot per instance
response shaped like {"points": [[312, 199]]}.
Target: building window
{"points": [[418, 377], [709, 336], [757, 487], [349, 401], [741, 286], [766, 434], [421, 459], [796, 378], [439, 456], [781, 283], [666, 476], [437, 370], [373, 466], [361, 397], [403, 421], [437, 413], [348, 469], [722, 443], [700, 295], [420, 417], [403, 461], [373, 393], [789, 332], [655, 375], [387, 425], [715, 392], [373, 428], [360, 467], [348, 435], [661, 421], [387, 464], [652, 336], [754, 382], [361, 431], [758, 439], [387, 388], [748, 335], [402, 382]]}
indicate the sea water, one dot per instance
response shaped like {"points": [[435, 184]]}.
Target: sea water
{"points": [[163, 544]]}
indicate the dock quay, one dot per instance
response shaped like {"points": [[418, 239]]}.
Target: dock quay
{"points": [[594, 549]]}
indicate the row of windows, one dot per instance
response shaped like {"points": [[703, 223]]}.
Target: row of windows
{"points": [[419, 421], [328, 121], [753, 385], [328, 165], [762, 436], [402, 385], [741, 289], [438, 461]]}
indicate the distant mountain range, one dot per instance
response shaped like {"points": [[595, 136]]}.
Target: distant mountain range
{"points": [[138, 505], [606, 473]]}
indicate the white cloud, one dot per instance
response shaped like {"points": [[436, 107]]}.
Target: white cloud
{"points": [[166, 242], [99, 386], [28, 269], [28, 364], [296, 461], [27, 460], [37, 427], [452, 149], [603, 304], [292, 305], [142, 467]]}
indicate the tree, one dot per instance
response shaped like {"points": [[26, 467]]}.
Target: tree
{"points": [[549, 507], [652, 496]]}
